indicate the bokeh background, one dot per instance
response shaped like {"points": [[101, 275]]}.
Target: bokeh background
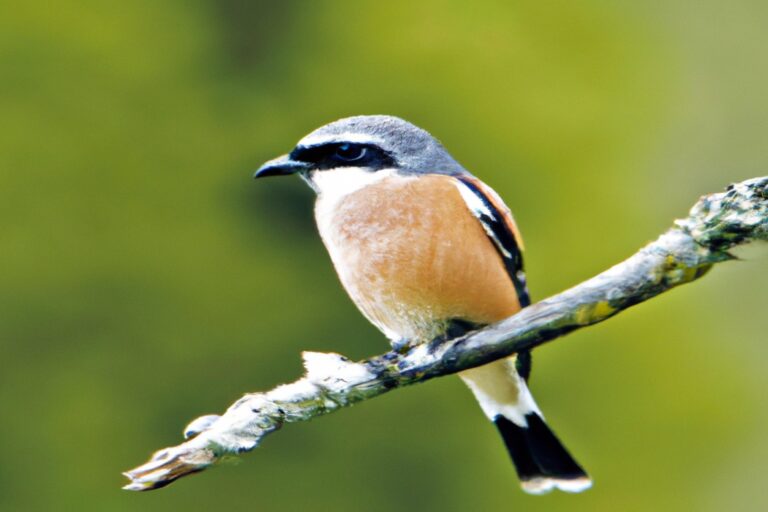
{"points": [[147, 280]]}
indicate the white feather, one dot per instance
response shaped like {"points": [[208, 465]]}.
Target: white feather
{"points": [[543, 485], [333, 184], [353, 137], [500, 390], [478, 208]]}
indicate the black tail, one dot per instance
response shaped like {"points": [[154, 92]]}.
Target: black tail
{"points": [[542, 462]]}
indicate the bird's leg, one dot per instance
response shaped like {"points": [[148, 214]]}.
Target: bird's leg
{"points": [[454, 328], [401, 345]]}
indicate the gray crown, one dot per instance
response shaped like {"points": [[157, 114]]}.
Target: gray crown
{"points": [[415, 150]]}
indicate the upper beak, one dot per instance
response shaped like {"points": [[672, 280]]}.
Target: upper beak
{"points": [[280, 166]]}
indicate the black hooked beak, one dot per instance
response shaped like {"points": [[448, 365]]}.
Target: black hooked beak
{"points": [[281, 166]]}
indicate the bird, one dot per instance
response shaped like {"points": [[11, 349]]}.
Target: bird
{"points": [[428, 252]]}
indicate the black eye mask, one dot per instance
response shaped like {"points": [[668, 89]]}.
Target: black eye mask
{"points": [[344, 154]]}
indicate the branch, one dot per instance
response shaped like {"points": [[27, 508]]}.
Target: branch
{"points": [[716, 223]]}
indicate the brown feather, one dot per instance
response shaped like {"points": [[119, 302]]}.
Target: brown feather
{"points": [[412, 256]]}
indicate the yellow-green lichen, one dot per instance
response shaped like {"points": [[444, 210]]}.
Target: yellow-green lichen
{"points": [[591, 313]]}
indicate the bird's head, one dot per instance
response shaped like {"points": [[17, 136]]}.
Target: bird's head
{"points": [[354, 149]]}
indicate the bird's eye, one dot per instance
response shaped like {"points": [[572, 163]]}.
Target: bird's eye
{"points": [[350, 152]]}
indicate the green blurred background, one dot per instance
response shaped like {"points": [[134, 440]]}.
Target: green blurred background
{"points": [[147, 280]]}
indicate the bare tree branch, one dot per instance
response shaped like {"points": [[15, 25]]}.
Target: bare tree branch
{"points": [[717, 223]]}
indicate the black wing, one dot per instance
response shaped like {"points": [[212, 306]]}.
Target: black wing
{"points": [[498, 224]]}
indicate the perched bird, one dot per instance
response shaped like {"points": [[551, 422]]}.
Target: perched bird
{"points": [[427, 251]]}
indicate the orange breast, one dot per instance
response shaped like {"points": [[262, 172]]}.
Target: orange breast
{"points": [[412, 256]]}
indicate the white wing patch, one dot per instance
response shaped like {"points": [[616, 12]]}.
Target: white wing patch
{"points": [[480, 210]]}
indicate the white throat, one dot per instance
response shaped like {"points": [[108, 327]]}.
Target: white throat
{"points": [[333, 184]]}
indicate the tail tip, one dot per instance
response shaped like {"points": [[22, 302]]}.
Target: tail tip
{"points": [[544, 484], [542, 462]]}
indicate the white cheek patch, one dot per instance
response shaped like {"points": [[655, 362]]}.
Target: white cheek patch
{"points": [[333, 184]]}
